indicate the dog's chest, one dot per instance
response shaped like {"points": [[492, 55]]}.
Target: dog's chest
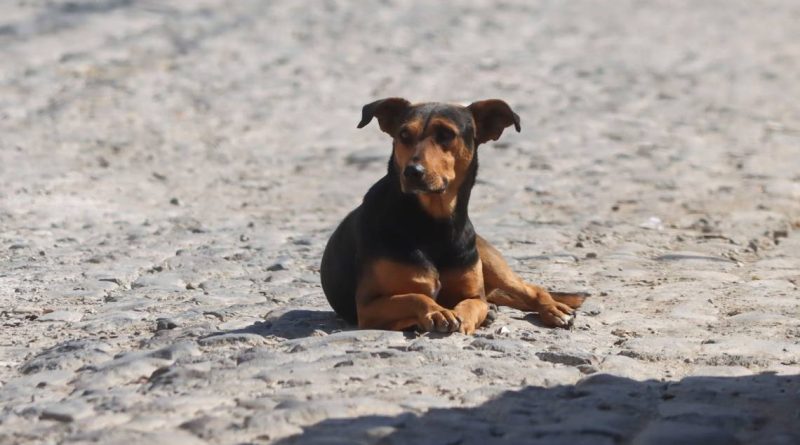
{"points": [[451, 284]]}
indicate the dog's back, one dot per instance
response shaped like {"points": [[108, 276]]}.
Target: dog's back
{"points": [[338, 270]]}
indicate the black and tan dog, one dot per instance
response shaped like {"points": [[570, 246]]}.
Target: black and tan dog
{"points": [[408, 256]]}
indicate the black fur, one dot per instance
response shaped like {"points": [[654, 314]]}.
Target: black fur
{"points": [[392, 224]]}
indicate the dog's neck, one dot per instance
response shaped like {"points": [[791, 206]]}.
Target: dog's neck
{"points": [[439, 205]]}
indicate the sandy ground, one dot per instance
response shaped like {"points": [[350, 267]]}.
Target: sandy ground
{"points": [[170, 172]]}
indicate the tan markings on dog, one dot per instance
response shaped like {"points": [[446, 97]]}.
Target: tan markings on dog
{"points": [[463, 290], [397, 296], [572, 300], [505, 288], [405, 148], [472, 312], [444, 162], [461, 284], [496, 272], [387, 277], [397, 312], [438, 206]]}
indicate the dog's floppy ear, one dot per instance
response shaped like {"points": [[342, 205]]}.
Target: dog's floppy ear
{"points": [[389, 111], [491, 118]]}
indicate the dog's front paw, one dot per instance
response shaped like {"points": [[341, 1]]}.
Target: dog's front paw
{"points": [[468, 326], [557, 315], [471, 321], [441, 320]]}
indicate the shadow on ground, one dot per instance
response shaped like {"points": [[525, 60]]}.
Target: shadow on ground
{"points": [[295, 323], [601, 409]]}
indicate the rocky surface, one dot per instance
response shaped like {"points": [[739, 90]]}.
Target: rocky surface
{"points": [[170, 172]]}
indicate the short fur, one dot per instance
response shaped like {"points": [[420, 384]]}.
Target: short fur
{"points": [[410, 230]]}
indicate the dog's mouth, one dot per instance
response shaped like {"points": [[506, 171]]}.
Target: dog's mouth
{"points": [[429, 191], [420, 187]]}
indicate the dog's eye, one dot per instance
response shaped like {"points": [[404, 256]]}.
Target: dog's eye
{"points": [[444, 136], [404, 136]]}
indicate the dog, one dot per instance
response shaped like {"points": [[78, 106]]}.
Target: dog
{"points": [[408, 257]]}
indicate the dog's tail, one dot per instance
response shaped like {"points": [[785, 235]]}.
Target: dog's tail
{"points": [[571, 299]]}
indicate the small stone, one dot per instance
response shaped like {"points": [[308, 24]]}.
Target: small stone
{"points": [[567, 358], [623, 366], [592, 307], [66, 316], [69, 355], [67, 411], [504, 345], [163, 324], [26, 310], [652, 223], [206, 427], [276, 267], [693, 257], [176, 351], [230, 339]]}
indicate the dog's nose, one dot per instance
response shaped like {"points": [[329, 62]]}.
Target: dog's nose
{"points": [[414, 171]]}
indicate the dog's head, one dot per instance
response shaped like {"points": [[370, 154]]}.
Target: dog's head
{"points": [[434, 143]]}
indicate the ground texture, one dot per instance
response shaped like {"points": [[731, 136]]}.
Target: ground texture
{"points": [[170, 172]]}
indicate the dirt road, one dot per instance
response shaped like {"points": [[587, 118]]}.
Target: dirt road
{"points": [[170, 172]]}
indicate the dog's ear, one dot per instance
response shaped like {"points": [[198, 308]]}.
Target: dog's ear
{"points": [[389, 112], [491, 118]]}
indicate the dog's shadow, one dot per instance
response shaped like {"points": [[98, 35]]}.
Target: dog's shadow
{"points": [[306, 322], [295, 323], [300, 323]]}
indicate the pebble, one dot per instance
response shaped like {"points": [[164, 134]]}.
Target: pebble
{"points": [[569, 358], [592, 307], [691, 257], [67, 411], [67, 316], [26, 310], [69, 355], [652, 223], [508, 346], [232, 339], [165, 324], [626, 367]]}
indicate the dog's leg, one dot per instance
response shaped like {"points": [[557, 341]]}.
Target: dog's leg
{"points": [[463, 290], [398, 312], [472, 312], [571, 299], [395, 296], [505, 288]]}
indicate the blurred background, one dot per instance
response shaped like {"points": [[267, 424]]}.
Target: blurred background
{"points": [[140, 102]]}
